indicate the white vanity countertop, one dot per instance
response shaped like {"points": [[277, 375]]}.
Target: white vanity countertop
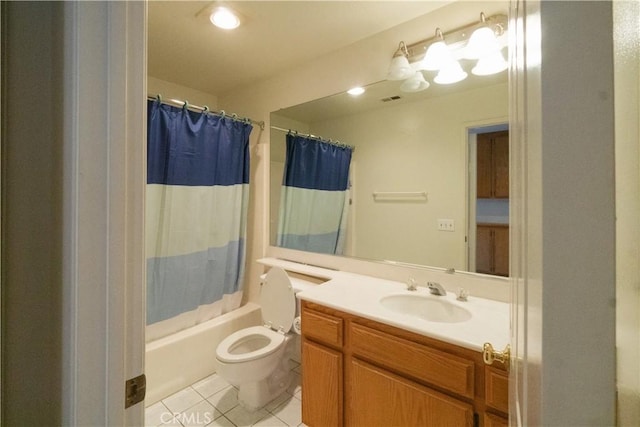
{"points": [[359, 295]]}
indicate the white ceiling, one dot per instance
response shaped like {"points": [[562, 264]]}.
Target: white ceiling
{"points": [[186, 49]]}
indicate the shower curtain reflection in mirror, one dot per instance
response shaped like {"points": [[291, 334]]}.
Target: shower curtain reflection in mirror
{"points": [[315, 193], [196, 212]]}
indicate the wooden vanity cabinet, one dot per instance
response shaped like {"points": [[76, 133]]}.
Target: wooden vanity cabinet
{"points": [[357, 372]]}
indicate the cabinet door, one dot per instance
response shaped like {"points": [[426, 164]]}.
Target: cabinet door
{"points": [[484, 174], [380, 398], [501, 250], [492, 165], [484, 249], [501, 165], [492, 249], [491, 420], [321, 385], [496, 386]]}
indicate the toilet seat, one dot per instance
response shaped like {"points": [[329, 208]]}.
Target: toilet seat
{"points": [[278, 302], [225, 350]]}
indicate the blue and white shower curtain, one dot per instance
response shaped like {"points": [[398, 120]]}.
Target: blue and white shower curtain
{"points": [[196, 208], [315, 192]]}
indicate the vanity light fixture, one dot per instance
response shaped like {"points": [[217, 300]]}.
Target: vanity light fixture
{"points": [[415, 83], [400, 69], [225, 18], [447, 54], [356, 91]]}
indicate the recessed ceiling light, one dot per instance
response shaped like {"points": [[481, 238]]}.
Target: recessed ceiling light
{"points": [[355, 91], [224, 18]]}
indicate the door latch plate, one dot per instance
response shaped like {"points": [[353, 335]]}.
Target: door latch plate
{"points": [[135, 390]]}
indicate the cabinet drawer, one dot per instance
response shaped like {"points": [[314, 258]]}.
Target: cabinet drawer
{"points": [[322, 327], [496, 387], [435, 367]]}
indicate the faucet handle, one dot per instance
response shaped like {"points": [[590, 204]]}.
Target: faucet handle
{"points": [[462, 294], [411, 284]]}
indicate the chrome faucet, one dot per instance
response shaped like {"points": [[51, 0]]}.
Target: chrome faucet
{"points": [[436, 289]]}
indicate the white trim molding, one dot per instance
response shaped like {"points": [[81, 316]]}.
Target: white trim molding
{"points": [[104, 176]]}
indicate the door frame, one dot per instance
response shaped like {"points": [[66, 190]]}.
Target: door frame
{"points": [[562, 252], [104, 92], [471, 131]]}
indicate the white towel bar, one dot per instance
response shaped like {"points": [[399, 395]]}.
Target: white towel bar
{"points": [[400, 195]]}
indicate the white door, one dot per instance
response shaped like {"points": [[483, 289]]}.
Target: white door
{"points": [[104, 182]]}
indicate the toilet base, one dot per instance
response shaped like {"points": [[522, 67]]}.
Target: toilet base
{"points": [[253, 396]]}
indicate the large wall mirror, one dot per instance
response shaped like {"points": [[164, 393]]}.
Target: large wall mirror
{"points": [[412, 182]]}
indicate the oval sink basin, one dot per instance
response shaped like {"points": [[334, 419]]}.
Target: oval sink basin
{"points": [[428, 308]]}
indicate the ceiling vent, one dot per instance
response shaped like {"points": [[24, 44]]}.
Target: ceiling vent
{"points": [[391, 98]]}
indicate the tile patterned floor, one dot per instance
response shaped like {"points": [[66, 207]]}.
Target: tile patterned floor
{"points": [[214, 402]]}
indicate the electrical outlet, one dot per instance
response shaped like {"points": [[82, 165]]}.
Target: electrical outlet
{"points": [[446, 225]]}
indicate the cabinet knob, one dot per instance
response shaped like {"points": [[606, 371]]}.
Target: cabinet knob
{"points": [[489, 354]]}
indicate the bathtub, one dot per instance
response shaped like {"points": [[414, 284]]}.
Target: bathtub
{"points": [[178, 360]]}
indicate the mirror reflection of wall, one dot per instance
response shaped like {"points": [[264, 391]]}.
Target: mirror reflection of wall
{"points": [[401, 147]]}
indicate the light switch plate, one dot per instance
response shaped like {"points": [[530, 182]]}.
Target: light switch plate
{"points": [[446, 225]]}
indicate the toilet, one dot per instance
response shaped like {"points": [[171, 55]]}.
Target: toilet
{"points": [[256, 359]]}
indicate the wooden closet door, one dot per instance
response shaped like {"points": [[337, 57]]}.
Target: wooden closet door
{"points": [[501, 250], [484, 249], [492, 165], [501, 165], [484, 175]]}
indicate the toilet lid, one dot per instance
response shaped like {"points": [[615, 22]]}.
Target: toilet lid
{"points": [[278, 300]]}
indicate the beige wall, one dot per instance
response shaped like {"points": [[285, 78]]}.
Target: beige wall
{"points": [[169, 90]]}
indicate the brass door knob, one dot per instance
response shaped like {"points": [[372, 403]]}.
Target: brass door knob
{"points": [[489, 355]]}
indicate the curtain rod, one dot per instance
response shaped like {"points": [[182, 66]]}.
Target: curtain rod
{"points": [[185, 104], [314, 137]]}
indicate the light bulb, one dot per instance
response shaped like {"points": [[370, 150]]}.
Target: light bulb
{"points": [[224, 18], [490, 64], [437, 56], [415, 83], [481, 43], [452, 72], [400, 68]]}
